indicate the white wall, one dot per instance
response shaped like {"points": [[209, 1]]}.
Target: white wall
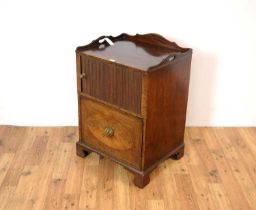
{"points": [[38, 41]]}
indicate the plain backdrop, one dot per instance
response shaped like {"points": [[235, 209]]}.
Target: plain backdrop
{"points": [[37, 54]]}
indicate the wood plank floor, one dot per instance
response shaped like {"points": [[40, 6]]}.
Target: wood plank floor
{"points": [[39, 169]]}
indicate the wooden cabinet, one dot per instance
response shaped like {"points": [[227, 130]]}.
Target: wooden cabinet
{"points": [[132, 96]]}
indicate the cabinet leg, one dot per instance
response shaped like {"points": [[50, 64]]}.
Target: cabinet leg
{"points": [[141, 180], [80, 151], [178, 155]]}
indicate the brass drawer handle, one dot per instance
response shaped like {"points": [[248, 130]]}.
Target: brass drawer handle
{"points": [[82, 76], [108, 131]]}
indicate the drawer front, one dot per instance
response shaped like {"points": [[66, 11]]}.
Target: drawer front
{"points": [[112, 83], [112, 132]]}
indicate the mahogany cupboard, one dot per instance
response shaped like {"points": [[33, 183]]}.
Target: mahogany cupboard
{"points": [[132, 96]]}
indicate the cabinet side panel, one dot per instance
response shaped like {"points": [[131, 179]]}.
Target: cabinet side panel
{"points": [[166, 110]]}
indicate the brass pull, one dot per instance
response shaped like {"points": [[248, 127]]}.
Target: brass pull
{"points": [[108, 131], [83, 75]]}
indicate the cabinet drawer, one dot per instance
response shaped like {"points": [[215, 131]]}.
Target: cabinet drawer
{"points": [[114, 133], [112, 83]]}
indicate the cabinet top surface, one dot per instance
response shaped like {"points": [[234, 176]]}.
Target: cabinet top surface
{"points": [[140, 51]]}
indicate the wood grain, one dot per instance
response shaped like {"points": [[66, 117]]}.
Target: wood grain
{"points": [[166, 110], [112, 83], [217, 172], [124, 144]]}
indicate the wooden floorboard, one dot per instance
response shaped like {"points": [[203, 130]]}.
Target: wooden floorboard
{"points": [[39, 169]]}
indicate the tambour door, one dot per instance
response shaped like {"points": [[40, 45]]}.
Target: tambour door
{"points": [[113, 83]]}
